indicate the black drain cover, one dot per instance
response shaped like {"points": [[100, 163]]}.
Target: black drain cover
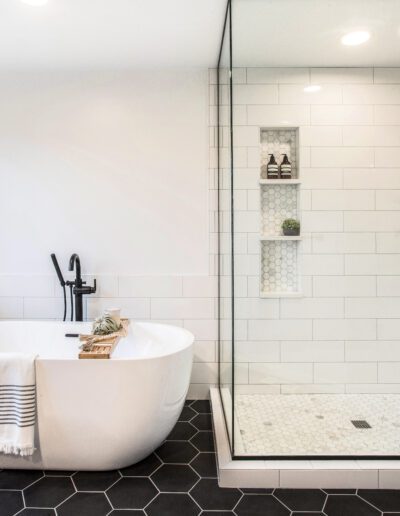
{"points": [[361, 423]]}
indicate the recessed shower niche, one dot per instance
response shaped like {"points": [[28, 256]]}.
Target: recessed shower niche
{"points": [[279, 201]]}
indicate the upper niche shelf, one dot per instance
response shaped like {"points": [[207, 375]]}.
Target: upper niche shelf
{"points": [[280, 181], [278, 141]]}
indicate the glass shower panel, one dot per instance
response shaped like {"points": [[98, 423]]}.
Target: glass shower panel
{"points": [[310, 378], [225, 235]]}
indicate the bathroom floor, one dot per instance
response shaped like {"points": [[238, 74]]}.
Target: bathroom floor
{"points": [[179, 479], [317, 424]]}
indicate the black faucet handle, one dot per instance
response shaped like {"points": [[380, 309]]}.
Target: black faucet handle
{"points": [[94, 288], [86, 289]]}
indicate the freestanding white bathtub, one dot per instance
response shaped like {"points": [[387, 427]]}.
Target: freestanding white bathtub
{"points": [[101, 414]]}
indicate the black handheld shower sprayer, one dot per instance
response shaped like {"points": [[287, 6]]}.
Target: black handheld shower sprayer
{"points": [[61, 280]]}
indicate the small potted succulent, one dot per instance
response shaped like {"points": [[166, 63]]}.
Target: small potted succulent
{"points": [[291, 227]]}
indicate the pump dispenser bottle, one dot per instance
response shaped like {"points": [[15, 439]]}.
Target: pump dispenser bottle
{"points": [[272, 168], [286, 168]]}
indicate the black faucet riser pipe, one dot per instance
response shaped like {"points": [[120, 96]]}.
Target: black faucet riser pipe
{"points": [[79, 288], [74, 260]]}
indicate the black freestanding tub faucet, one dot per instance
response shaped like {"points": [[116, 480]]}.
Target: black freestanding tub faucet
{"points": [[79, 288]]}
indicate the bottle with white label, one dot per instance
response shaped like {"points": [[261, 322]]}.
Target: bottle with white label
{"points": [[286, 168], [272, 168]]}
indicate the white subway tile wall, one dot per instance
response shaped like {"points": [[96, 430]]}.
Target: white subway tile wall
{"points": [[344, 334]]}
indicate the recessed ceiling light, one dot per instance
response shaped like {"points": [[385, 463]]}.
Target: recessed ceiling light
{"points": [[312, 88], [356, 38], [35, 2]]}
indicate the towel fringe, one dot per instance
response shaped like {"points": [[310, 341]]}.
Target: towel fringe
{"points": [[11, 449]]}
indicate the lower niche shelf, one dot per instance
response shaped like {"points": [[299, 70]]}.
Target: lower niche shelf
{"points": [[267, 238], [279, 264]]}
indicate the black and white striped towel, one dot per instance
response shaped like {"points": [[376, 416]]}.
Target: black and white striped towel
{"points": [[17, 403]]}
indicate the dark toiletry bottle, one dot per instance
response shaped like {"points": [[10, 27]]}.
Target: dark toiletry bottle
{"points": [[272, 168], [286, 168]]}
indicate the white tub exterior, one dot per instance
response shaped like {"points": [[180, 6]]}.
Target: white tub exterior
{"points": [[101, 414]]}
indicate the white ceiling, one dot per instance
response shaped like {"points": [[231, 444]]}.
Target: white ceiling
{"points": [[308, 32], [186, 33], [110, 33]]}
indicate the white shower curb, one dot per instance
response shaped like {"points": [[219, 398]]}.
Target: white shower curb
{"points": [[330, 474]]}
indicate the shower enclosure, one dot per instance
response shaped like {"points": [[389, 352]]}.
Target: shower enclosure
{"points": [[309, 356]]}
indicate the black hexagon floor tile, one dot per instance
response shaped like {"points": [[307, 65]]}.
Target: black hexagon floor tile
{"points": [[85, 504], [253, 490], [131, 493], [10, 502], [387, 500], [217, 513], [203, 441], [187, 414], [205, 464], [175, 478], [184, 462], [348, 505], [144, 468], [339, 491], [301, 499], [308, 514], [95, 480], [202, 422], [172, 504], [211, 497], [58, 473], [182, 432], [202, 406], [260, 505], [48, 492], [18, 479], [176, 452]]}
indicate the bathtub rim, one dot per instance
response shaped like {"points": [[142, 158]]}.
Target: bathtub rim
{"points": [[188, 343]]}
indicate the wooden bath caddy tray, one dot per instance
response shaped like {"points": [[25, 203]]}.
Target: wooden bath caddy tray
{"points": [[103, 345]]}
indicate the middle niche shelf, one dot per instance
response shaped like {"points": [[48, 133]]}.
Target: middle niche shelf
{"points": [[269, 238]]}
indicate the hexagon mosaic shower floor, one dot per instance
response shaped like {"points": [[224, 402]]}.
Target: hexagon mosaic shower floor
{"points": [[179, 479]]}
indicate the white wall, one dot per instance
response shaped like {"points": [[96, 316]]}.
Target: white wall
{"points": [[113, 166], [110, 165], [343, 335]]}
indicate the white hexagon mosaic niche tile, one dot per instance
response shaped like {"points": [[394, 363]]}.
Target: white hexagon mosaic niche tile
{"points": [[278, 202], [279, 266], [278, 142]]}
